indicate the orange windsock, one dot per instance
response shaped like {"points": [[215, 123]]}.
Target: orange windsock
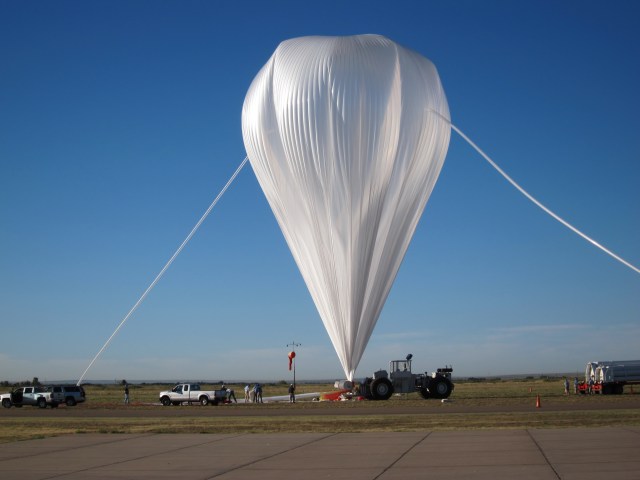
{"points": [[291, 356]]}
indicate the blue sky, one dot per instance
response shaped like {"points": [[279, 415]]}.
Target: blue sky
{"points": [[120, 122]]}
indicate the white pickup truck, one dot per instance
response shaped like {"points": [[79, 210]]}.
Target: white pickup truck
{"points": [[34, 396], [191, 393]]}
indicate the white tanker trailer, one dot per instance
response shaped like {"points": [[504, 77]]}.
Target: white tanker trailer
{"points": [[610, 376]]}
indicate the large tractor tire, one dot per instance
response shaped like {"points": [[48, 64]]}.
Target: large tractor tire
{"points": [[440, 388], [381, 389], [424, 393]]}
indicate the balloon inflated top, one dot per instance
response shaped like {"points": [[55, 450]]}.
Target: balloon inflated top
{"points": [[343, 139]]}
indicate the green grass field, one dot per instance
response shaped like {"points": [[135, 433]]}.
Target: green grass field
{"points": [[476, 405]]}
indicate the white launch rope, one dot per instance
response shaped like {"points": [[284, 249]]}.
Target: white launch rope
{"points": [[164, 269], [536, 202]]}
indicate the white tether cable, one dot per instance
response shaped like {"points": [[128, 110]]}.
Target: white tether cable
{"points": [[526, 194], [164, 269]]}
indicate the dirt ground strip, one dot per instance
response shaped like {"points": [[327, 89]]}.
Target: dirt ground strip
{"points": [[334, 408]]}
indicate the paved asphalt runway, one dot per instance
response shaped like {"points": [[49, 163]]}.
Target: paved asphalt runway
{"points": [[580, 453]]}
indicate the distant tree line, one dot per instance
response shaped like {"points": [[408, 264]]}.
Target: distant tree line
{"points": [[25, 383], [545, 378]]}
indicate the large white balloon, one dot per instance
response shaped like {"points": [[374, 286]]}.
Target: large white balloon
{"points": [[341, 134]]}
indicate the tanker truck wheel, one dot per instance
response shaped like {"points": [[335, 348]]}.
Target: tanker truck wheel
{"points": [[440, 388], [381, 389]]}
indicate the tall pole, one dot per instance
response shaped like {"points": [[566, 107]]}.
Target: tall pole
{"points": [[293, 346]]}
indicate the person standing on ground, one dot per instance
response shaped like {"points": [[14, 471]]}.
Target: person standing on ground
{"points": [[292, 393], [247, 399], [231, 395], [566, 386], [126, 394], [575, 385]]}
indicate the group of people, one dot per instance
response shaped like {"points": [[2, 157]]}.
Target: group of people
{"points": [[576, 384], [566, 385], [253, 395]]}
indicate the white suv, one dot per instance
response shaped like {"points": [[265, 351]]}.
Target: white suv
{"points": [[68, 394]]}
